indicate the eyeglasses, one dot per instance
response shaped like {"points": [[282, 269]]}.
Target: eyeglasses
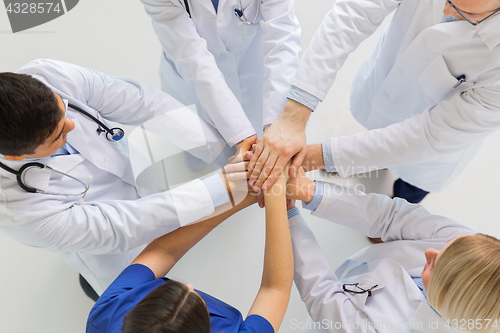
{"points": [[461, 13], [356, 289]]}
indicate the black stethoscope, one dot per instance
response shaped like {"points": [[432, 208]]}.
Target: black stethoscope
{"points": [[113, 134]]}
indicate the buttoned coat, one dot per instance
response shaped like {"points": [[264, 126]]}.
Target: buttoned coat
{"points": [[237, 75]]}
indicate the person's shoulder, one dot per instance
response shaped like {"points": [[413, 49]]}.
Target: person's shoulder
{"points": [[256, 324], [58, 75], [41, 66], [128, 289]]}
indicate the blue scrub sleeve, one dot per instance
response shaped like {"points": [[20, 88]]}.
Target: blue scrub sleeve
{"points": [[303, 97], [216, 189], [256, 324]]}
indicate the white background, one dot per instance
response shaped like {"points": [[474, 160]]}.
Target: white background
{"points": [[39, 293]]}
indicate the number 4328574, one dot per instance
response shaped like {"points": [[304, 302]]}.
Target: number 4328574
{"points": [[32, 8]]}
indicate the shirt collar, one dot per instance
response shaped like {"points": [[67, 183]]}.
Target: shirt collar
{"points": [[489, 32]]}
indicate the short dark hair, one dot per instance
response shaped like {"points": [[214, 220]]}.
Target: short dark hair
{"points": [[29, 114], [169, 308]]}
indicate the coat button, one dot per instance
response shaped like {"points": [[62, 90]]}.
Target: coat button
{"points": [[220, 17], [396, 271], [401, 72]]}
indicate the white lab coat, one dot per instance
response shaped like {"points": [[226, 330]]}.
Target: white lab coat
{"points": [[237, 75], [407, 230], [426, 129], [100, 237]]}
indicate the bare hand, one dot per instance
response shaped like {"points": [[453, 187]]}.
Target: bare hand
{"points": [[282, 141], [300, 187], [243, 146]]}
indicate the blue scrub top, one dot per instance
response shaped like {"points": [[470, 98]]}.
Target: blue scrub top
{"points": [[136, 281]]}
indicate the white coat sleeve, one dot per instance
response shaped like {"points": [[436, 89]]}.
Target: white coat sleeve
{"points": [[182, 43], [101, 227], [342, 30], [445, 128], [280, 50], [131, 102], [319, 287], [377, 215]]}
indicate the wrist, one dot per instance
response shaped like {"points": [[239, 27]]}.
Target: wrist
{"points": [[297, 112], [314, 158], [278, 189], [307, 193]]}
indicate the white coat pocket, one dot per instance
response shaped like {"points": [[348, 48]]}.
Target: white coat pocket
{"points": [[437, 82]]}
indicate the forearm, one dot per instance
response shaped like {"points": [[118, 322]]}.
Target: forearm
{"points": [[194, 62], [278, 258], [340, 33], [295, 112], [280, 49], [164, 252], [377, 215]]}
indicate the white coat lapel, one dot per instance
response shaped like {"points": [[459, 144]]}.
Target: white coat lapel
{"points": [[78, 140], [193, 4], [39, 178], [223, 2], [352, 272], [104, 154]]}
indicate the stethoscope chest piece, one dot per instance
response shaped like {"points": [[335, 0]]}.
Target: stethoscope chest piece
{"points": [[114, 134]]}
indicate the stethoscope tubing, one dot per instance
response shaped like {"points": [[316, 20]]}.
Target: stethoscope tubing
{"points": [[115, 135], [239, 14], [21, 173]]}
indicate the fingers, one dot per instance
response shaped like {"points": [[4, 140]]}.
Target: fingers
{"points": [[269, 167], [243, 147], [276, 173], [239, 176], [260, 199], [297, 162], [257, 169], [256, 155], [236, 167]]}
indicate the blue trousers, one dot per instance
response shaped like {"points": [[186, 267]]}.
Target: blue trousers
{"points": [[406, 191]]}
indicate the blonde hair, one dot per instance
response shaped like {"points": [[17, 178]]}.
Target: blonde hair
{"points": [[465, 282]]}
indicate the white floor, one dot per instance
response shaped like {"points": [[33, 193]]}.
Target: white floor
{"points": [[39, 293]]}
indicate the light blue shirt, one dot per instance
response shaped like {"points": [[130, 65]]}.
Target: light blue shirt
{"points": [[317, 198], [420, 284], [303, 97]]}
